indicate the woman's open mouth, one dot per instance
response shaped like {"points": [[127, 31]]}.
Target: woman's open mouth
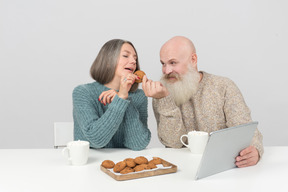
{"points": [[129, 69]]}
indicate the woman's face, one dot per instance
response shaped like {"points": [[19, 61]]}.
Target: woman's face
{"points": [[126, 61]]}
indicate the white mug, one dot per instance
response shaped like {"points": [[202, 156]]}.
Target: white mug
{"points": [[76, 152], [197, 141]]}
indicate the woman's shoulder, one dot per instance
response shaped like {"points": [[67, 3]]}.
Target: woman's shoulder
{"points": [[88, 87]]}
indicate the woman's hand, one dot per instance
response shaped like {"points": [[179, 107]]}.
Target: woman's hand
{"points": [[107, 96], [126, 84]]}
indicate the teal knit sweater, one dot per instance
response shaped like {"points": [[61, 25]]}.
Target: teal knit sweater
{"points": [[120, 124]]}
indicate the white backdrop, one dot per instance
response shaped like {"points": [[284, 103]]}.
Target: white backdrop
{"points": [[47, 48]]}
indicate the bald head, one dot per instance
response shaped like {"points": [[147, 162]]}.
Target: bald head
{"points": [[179, 43], [177, 54], [179, 47]]}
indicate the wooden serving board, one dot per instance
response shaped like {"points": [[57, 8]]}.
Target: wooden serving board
{"points": [[146, 173]]}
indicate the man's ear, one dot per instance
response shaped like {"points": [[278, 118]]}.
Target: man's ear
{"points": [[194, 59]]}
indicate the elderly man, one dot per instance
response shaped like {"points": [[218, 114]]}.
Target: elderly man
{"points": [[187, 99]]}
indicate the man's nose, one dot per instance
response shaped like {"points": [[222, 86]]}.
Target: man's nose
{"points": [[167, 69]]}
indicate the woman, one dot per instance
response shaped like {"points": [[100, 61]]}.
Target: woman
{"points": [[112, 112]]}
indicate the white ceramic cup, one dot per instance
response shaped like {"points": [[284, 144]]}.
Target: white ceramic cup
{"points": [[76, 152], [197, 141]]}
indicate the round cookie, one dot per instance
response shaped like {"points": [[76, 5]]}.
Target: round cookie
{"points": [[139, 74], [127, 170], [130, 162], [151, 165], [156, 160], [141, 167], [140, 160], [108, 164], [119, 166]]}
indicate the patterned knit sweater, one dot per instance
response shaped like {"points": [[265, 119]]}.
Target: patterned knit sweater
{"points": [[120, 124], [217, 104]]}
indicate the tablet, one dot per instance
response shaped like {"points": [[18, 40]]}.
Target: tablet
{"points": [[223, 147]]}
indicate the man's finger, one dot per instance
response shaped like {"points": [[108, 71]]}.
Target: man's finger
{"points": [[246, 156], [246, 150], [148, 88], [144, 80], [246, 162]]}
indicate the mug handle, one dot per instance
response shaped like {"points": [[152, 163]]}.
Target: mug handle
{"points": [[182, 140], [66, 153]]}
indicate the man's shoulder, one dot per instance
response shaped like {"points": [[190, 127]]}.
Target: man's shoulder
{"points": [[216, 79]]}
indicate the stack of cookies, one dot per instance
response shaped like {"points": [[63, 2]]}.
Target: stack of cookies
{"points": [[130, 165]]}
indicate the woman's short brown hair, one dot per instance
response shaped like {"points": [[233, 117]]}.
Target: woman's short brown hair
{"points": [[104, 66]]}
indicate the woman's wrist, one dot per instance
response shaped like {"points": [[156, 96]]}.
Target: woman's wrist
{"points": [[122, 96]]}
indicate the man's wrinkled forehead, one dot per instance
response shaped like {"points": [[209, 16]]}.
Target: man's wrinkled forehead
{"points": [[169, 53]]}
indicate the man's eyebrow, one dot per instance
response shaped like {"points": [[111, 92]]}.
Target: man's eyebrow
{"points": [[173, 59]]}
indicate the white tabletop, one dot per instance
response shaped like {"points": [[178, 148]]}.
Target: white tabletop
{"points": [[47, 170]]}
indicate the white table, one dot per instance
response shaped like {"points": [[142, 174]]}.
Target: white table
{"points": [[47, 170]]}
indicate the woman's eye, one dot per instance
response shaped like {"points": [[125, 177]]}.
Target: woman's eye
{"points": [[125, 56]]}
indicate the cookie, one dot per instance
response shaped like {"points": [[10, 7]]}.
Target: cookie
{"points": [[108, 164], [156, 160], [140, 160], [127, 170], [139, 74], [119, 166], [141, 167], [130, 162]]}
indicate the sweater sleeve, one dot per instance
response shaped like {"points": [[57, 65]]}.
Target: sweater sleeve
{"points": [[137, 135], [237, 112], [169, 122], [97, 129]]}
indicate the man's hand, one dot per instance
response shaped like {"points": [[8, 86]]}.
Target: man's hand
{"points": [[154, 89], [248, 157]]}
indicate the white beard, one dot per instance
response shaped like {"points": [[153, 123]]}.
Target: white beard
{"points": [[184, 88]]}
